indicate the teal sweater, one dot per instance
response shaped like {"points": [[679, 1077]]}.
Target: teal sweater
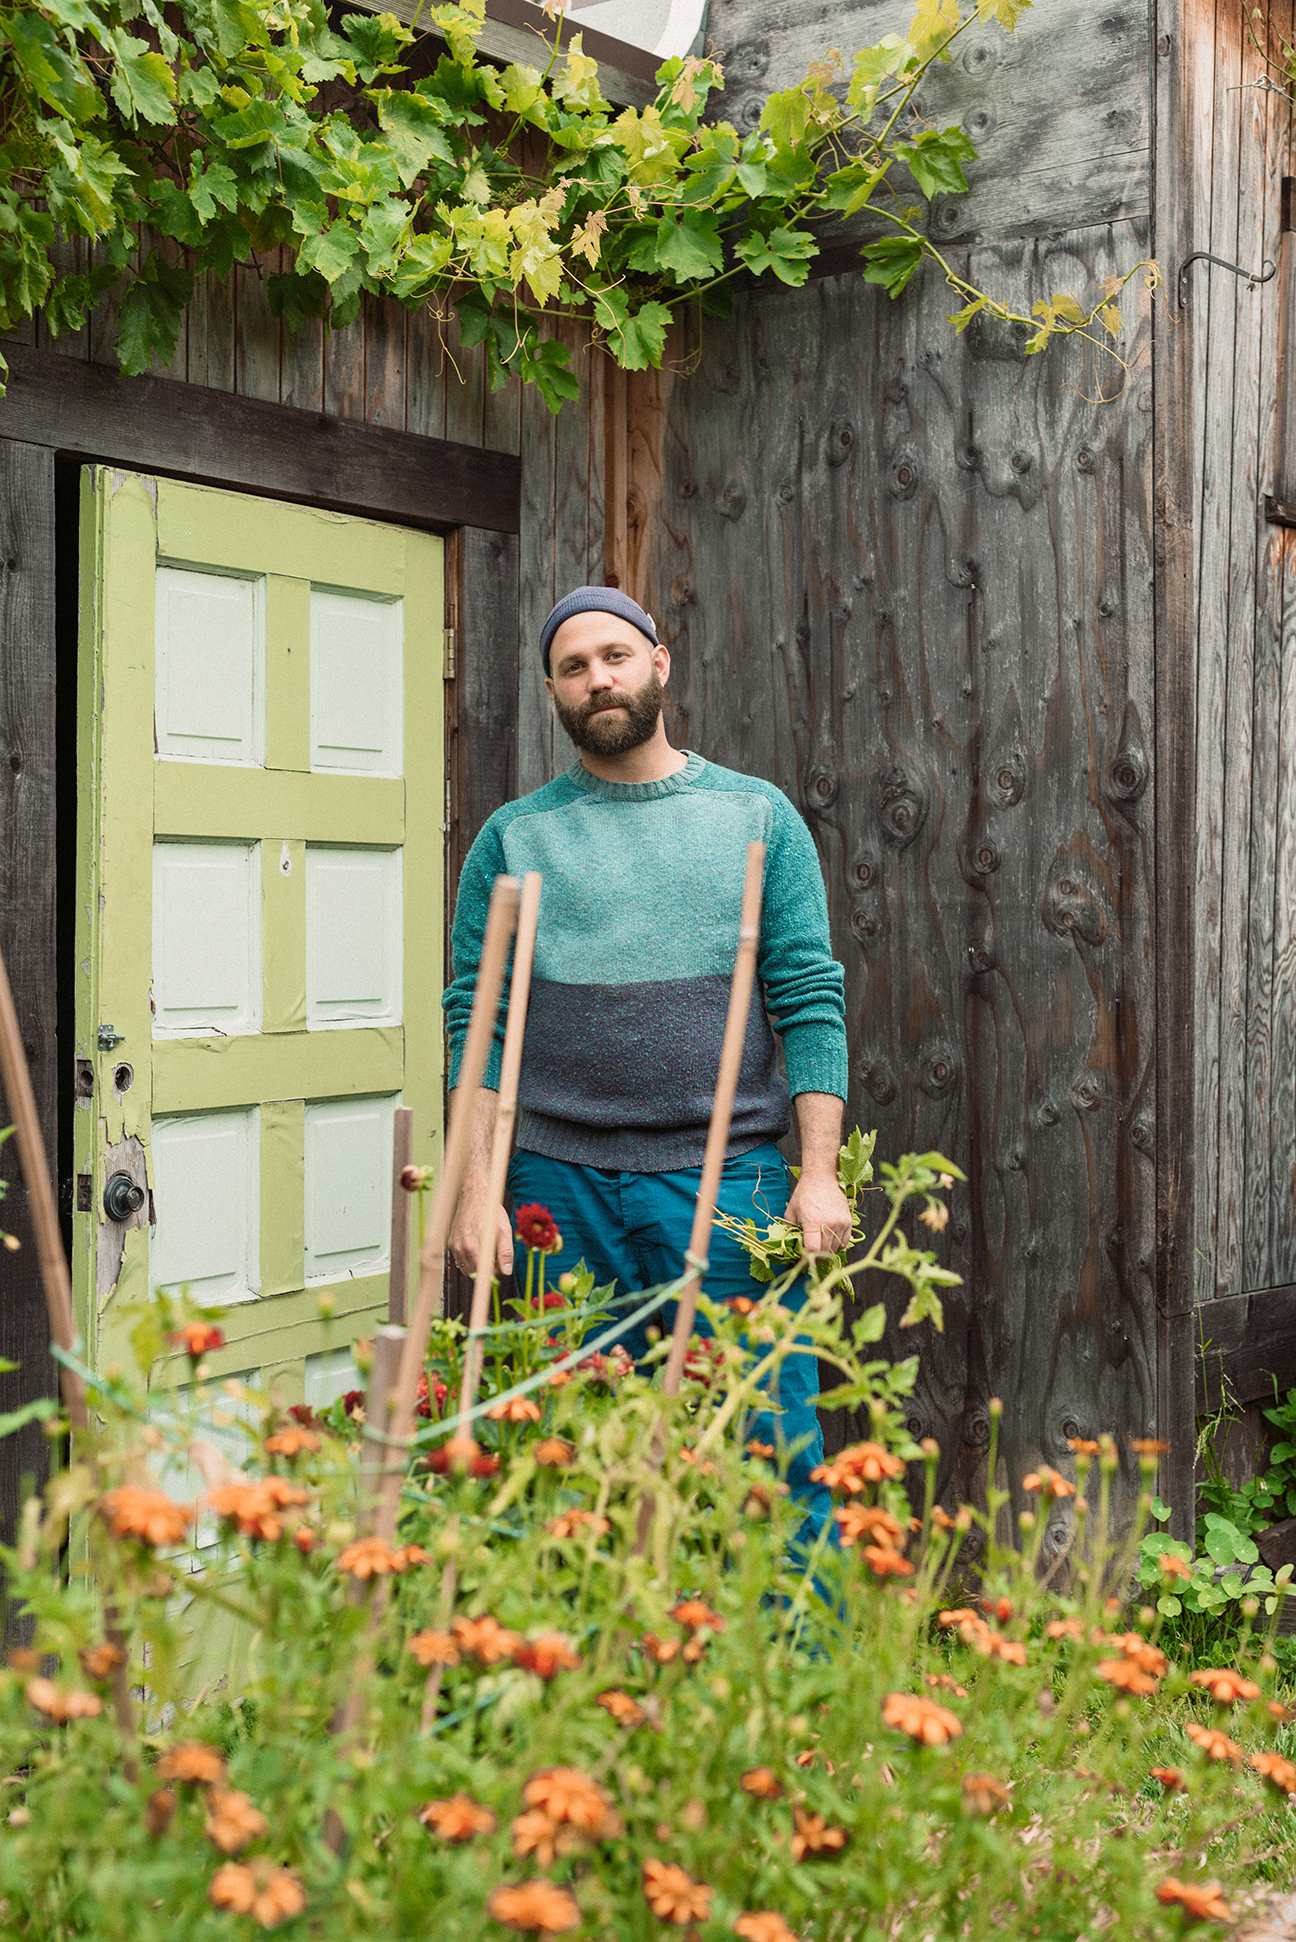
{"points": [[635, 951]]}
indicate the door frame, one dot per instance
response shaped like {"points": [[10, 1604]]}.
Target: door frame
{"points": [[59, 414]]}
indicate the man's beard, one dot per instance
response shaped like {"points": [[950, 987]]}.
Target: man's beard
{"points": [[603, 730]]}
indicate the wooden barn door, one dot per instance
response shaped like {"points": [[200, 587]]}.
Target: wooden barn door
{"points": [[259, 944]]}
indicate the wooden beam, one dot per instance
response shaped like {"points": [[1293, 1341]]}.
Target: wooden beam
{"points": [[27, 919], [1245, 1343], [191, 432]]}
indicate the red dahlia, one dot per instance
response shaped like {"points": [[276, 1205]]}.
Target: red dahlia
{"points": [[536, 1228]]}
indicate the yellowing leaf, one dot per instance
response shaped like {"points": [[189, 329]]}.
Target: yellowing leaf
{"points": [[1067, 308], [1110, 314], [585, 240]]}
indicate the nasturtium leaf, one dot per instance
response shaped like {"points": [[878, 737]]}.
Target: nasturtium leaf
{"points": [[891, 261]]}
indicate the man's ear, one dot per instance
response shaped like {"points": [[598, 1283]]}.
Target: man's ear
{"points": [[549, 685], [662, 662]]}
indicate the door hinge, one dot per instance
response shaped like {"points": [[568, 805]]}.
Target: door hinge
{"points": [[448, 665], [110, 1036]]}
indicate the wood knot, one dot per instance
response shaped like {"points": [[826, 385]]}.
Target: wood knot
{"points": [[687, 489], [879, 1082], [986, 856], [1087, 1093], [864, 871], [1048, 1114], [938, 1072], [1141, 1135], [821, 787], [732, 502], [864, 922], [1071, 908], [981, 957], [1022, 462], [1085, 459], [841, 441], [903, 481], [1129, 768], [901, 807]]}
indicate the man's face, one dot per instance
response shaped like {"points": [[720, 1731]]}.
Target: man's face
{"points": [[606, 681]]}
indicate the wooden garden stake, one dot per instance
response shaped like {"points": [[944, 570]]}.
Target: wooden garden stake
{"points": [[502, 1142], [501, 1147], [402, 1156], [717, 1144], [500, 922], [55, 1279], [713, 1158]]}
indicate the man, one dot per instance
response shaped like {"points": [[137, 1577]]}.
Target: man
{"points": [[642, 848]]}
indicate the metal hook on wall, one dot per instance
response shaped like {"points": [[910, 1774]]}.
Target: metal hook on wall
{"points": [[1253, 277]]}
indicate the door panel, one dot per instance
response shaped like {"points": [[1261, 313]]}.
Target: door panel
{"points": [[261, 781]]}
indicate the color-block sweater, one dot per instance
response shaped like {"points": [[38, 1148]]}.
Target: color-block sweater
{"points": [[638, 931]]}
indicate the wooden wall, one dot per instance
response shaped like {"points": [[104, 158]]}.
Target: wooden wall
{"points": [[1246, 674], [909, 578]]}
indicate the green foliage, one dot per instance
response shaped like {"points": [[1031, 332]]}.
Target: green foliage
{"points": [[180, 143], [803, 1740]]}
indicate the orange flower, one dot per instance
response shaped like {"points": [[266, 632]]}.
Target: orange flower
{"points": [[1274, 1768], [660, 1650], [434, 1648], [1011, 1651], [759, 1500], [292, 1441], [1171, 1778], [545, 1839], [1214, 1744], [269, 1894], [554, 1453], [545, 1655], [764, 1926], [1127, 1675], [369, 1557], [1048, 1480], [567, 1794], [941, 1519], [762, 1783], [198, 1339], [944, 1679], [1224, 1687], [569, 1522], [232, 1821], [62, 1703], [766, 1450], [1171, 1567], [159, 1809], [694, 1647], [255, 1507], [885, 1562], [704, 1469], [193, 1761], [150, 1515], [1203, 1901], [1000, 1608], [696, 1613], [1278, 1711], [1064, 1628], [814, 1836], [624, 1710], [534, 1908], [855, 1521], [304, 1539], [983, 1794], [457, 1453], [862, 1463], [1149, 1446], [410, 1554], [457, 1819], [922, 1719], [674, 1896], [1084, 1446], [486, 1640], [518, 1409], [101, 1661], [806, 1757]]}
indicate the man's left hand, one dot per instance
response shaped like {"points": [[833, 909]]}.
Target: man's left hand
{"points": [[822, 1212]]}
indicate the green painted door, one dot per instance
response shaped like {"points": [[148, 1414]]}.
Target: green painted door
{"points": [[259, 920]]}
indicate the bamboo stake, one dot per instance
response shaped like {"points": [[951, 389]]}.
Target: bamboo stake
{"points": [[398, 1276], [717, 1144], [713, 1158], [502, 1143], [500, 922], [55, 1279], [501, 1147]]}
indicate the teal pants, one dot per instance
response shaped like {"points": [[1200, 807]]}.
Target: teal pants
{"points": [[633, 1229]]}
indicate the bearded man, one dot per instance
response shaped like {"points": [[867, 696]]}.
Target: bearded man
{"points": [[642, 848]]}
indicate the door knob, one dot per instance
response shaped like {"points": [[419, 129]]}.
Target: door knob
{"points": [[122, 1197]]}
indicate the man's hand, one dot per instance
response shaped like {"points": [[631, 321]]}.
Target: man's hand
{"points": [[818, 1206], [465, 1235]]}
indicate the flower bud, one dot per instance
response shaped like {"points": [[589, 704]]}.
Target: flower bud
{"points": [[413, 1179], [995, 1406]]}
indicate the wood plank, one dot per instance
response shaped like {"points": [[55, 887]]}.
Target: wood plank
{"points": [[301, 366], [256, 331], [483, 713], [344, 370], [1245, 1343], [28, 920], [465, 384], [425, 387], [210, 331], [386, 362], [198, 1074], [1183, 76], [536, 581], [67, 254], [194, 433], [1282, 1167]]}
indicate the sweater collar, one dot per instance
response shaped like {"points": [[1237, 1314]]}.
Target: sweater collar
{"points": [[669, 785]]}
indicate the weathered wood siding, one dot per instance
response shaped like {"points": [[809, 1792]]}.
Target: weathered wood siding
{"points": [[908, 577], [1246, 673]]}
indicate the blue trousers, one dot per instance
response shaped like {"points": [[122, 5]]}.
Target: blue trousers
{"points": [[633, 1228]]}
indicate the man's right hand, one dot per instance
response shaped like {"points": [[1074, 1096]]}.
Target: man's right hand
{"points": [[465, 1235]]}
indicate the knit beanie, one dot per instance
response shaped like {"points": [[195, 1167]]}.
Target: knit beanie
{"points": [[595, 600]]}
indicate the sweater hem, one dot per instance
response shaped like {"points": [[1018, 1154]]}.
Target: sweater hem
{"points": [[632, 1149]]}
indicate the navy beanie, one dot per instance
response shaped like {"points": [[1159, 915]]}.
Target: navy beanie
{"points": [[595, 600]]}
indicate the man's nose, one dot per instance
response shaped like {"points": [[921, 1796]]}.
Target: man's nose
{"points": [[600, 678]]}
